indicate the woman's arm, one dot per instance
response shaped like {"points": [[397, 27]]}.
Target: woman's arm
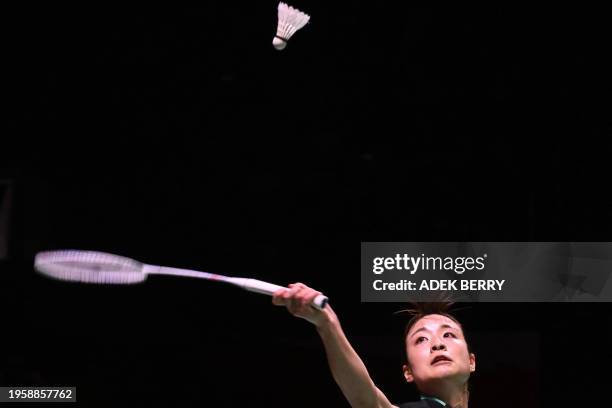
{"points": [[347, 368]]}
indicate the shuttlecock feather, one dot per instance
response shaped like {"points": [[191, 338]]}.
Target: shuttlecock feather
{"points": [[290, 20]]}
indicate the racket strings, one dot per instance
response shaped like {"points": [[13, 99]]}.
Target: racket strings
{"points": [[89, 266]]}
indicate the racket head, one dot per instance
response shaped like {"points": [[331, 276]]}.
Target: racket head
{"points": [[89, 267]]}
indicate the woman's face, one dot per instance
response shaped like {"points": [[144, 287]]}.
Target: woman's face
{"points": [[437, 350]]}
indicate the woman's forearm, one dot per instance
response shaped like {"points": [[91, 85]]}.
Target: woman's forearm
{"points": [[347, 367]]}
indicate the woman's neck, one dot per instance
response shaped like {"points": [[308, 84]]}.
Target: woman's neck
{"points": [[455, 397], [458, 399]]}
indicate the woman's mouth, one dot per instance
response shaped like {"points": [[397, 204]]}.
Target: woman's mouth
{"points": [[441, 360]]}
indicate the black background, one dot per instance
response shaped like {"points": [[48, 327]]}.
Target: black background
{"points": [[178, 136]]}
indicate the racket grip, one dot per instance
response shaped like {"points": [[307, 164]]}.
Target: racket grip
{"points": [[266, 288], [319, 302]]}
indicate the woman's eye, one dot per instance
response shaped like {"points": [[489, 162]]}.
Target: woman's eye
{"points": [[420, 339], [449, 333]]}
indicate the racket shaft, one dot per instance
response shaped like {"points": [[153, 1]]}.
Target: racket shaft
{"points": [[252, 285], [165, 270]]}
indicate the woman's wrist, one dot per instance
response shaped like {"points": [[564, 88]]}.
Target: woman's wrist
{"points": [[327, 321]]}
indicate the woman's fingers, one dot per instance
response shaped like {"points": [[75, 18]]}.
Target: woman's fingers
{"points": [[296, 305], [297, 298], [281, 297], [277, 297]]}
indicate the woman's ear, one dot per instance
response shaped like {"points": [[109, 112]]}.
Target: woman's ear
{"points": [[407, 373], [472, 362]]}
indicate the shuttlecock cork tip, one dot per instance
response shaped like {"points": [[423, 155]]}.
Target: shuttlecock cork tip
{"points": [[279, 43]]}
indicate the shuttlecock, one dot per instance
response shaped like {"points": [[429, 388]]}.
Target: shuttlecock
{"points": [[289, 21]]}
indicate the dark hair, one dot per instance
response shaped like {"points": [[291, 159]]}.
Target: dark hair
{"points": [[421, 309]]}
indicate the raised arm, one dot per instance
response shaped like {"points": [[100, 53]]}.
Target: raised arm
{"points": [[347, 368]]}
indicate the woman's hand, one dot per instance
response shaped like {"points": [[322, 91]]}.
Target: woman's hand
{"points": [[298, 300]]}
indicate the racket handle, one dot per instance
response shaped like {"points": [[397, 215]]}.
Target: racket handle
{"points": [[320, 301], [265, 288]]}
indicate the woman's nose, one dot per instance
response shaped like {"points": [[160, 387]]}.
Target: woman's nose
{"points": [[438, 346]]}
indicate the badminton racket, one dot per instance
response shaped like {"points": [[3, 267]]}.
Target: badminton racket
{"points": [[100, 267]]}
